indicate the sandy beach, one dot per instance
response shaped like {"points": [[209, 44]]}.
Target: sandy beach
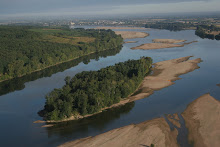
{"points": [[155, 131], [203, 124], [131, 34]]}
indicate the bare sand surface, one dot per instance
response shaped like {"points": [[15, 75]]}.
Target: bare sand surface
{"points": [[202, 118], [164, 73], [131, 42], [122, 28], [155, 131], [150, 46], [171, 41], [131, 34], [39, 121]]}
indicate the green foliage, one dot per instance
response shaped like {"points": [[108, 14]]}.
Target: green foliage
{"points": [[89, 92], [205, 31], [27, 49]]}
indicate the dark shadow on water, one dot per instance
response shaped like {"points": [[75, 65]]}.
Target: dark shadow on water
{"points": [[18, 83], [79, 128]]}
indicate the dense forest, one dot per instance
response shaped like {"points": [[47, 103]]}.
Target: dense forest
{"points": [[24, 49], [18, 83], [175, 26], [210, 32], [89, 92]]}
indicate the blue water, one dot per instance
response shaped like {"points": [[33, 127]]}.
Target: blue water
{"points": [[18, 109]]}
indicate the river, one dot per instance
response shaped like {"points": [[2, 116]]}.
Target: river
{"points": [[22, 98]]}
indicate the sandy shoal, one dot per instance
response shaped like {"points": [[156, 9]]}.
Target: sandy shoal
{"points": [[131, 34], [155, 131], [150, 46], [167, 41], [121, 28], [131, 42], [202, 118]]}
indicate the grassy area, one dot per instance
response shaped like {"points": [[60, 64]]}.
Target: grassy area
{"points": [[68, 39]]}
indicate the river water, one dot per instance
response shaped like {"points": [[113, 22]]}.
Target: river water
{"points": [[22, 98]]}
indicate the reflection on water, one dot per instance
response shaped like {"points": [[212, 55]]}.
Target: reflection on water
{"points": [[98, 121], [18, 83]]}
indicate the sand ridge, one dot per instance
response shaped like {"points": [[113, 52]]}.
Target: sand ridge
{"points": [[155, 131], [202, 119], [171, 41]]}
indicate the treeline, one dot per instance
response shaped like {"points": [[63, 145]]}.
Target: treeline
{"points": [[174, 26], [27, 49], [89, 92], [206, 31], [18, 83]]}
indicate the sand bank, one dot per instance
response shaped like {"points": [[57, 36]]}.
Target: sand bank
{"points": [[164, 73], [167, 41], [163, 43], [155, 131], [202, 118], [122, 28], [131, 34], [150, 46], [131, 42]]}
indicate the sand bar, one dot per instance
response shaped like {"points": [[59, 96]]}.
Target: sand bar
{"points": [[151, 46], [167, 41], [202, 118], [131, 34], [155, 131], [131, 42]]}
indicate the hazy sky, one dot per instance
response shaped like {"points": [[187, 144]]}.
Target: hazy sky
{"points": [[102, 7]]}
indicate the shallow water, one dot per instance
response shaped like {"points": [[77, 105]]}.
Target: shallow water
{"points": [[20, 101]]}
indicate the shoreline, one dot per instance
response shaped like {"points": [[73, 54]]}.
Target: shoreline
{"points": [[156, 132], [122, 28], [203, 124], [53, 65], [203, 129], [165, 73]]}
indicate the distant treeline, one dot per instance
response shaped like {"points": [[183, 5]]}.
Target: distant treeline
{"points": [[174, 26], [89, 92], [206, 31], [24, 49]]}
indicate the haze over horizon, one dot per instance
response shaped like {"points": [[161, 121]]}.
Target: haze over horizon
{"points": [[16, 8]]}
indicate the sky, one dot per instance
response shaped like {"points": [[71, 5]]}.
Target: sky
{"points": [[103, 7]]}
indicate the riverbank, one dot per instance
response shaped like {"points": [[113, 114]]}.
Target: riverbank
{"points": [[122, 28], [164, 73], [156, 132], [53, 65], [151, 46], [202, 119], [131, 34]]}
